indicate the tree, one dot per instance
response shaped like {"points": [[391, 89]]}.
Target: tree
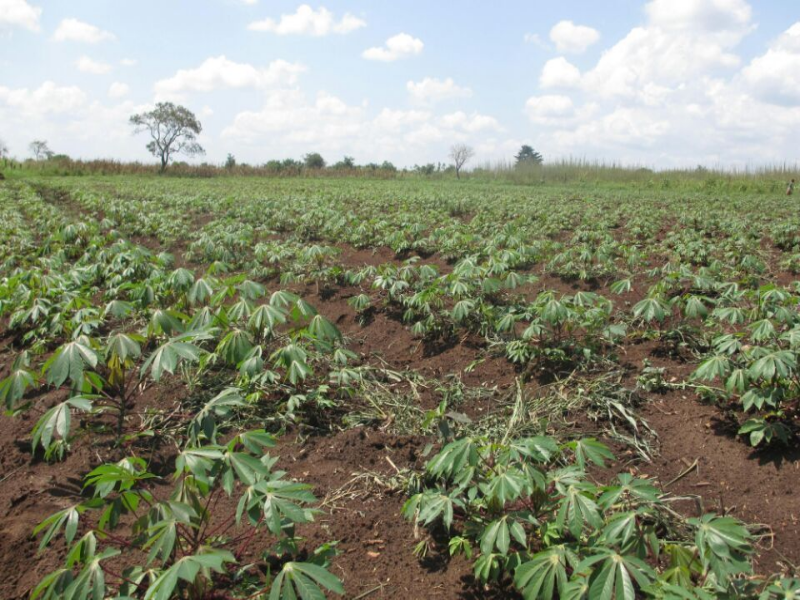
{"points": [[3, 149], [314, 160], [230, 162], [40, 150], [460, 154], [348, 162], [174, 130], [528, 156]]}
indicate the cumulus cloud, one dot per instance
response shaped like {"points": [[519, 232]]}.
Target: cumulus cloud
{"points": [[323, 123], [307, 21], [48, 98], [94, 67], [775, 76], [73, 30], [118, 90], [129, 62], [723, 16], [559, 73], [471, 123], [399, 46], [291, 121], [548, 109], [220, 73], [431, 89], [573, 39], [19, 13]]}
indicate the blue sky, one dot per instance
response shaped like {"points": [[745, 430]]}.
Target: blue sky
{"points": [[648, 82]]}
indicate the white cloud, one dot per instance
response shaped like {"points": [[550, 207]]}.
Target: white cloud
{"points": [[431, 89], [219, 73], [307, 21], [323, 124], [48, 98], [73, 30], [573, 39], [545, 110], [625, 126], [559, 73], [18, 13], [118, 90], [723, 16], [399, 46], [94, 67], [652, 55], [129, 62], [536, 40], [293, 123], [472, 123], [775, 76], [394, 121]]}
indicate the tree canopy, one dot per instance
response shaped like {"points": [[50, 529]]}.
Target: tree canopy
{"points": [[173, 129], [528, 156]]}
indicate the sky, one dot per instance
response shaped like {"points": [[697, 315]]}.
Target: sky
{"points": [[654, 83]]}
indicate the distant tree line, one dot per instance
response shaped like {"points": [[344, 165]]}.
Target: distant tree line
{"points": [[173, 131]]}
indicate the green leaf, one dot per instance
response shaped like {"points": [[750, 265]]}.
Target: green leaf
{"points": [[543, 575], [57, 421], [592, 450], [69, 361], [13, 387], [496, 535], [304, 580]]}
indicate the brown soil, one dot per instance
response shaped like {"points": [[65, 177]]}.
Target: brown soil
{"points": [[376, 544]]}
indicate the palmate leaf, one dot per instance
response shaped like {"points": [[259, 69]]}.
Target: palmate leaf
{"points": [[305, 581], [219, 407], [614, 575], [453, 458], [507, 486], [69, 362], [540, 449], [780, 364], [166, 322], [629, 488], [167, 356], [589, 449], [90, 583], [124, 346], [57, 420], [200, 292], [277, 501], [546, 573], [462, 310], [712, 368], [432, 506], [66, 519], [54, 585], [497, 535], [723, 544], [651, 309], [322, 329], [761, 430], [13, 387], [264, 319], [188, 569], [578, 510], [235, 346]]}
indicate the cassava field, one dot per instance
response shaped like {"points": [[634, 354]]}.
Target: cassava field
{"points": [[309, 388]]}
